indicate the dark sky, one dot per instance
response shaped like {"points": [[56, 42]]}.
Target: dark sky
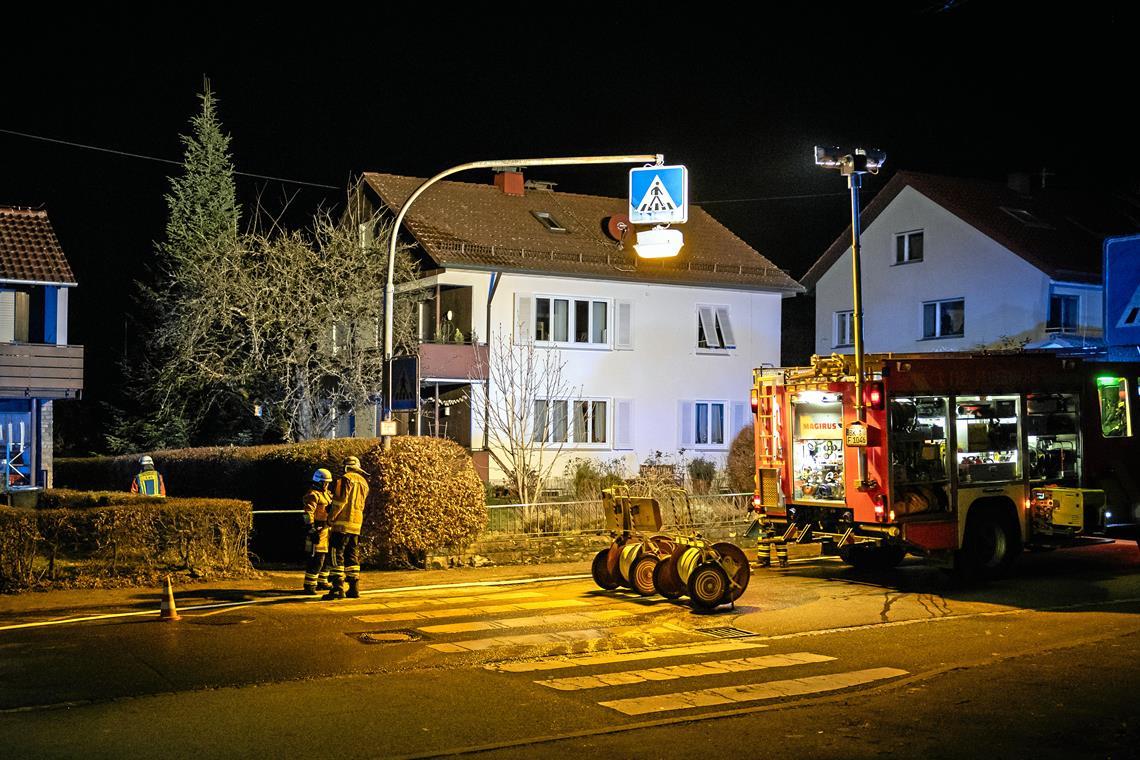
{"points": [[975, 88]]}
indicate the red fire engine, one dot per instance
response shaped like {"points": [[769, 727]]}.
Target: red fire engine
{"points": [[969, 457]]}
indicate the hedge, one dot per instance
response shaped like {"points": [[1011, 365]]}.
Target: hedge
{"points": [[270, 477], [103, 538]]}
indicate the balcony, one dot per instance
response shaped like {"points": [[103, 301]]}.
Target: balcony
{"points": [[36, 370], [452, 361]]}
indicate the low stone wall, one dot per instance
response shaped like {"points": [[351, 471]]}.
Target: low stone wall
{"points": [[512, 549]]}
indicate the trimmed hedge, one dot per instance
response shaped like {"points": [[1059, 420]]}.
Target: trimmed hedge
{"points": [[93, 539], [266, 476], [425, 495], [741, 465]]}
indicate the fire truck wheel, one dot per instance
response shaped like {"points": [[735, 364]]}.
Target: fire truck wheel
{"points": [[601, 573], [708, 586], [663, 580], [989, 546], [641, 574]]}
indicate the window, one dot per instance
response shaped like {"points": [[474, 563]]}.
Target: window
{"points": [[844, 328], [548, 221], [944, 319], [1064, 313], [572, 321], [714, 330], [708, 423], [1112, 393], [14, 316], [908, 247], [578, 422]]}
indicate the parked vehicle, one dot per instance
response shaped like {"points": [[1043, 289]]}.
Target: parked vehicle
{"points": [[964, 457]]}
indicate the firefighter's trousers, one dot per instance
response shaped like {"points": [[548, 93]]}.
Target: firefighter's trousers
{"points": [[317, 570], [345, 559]]}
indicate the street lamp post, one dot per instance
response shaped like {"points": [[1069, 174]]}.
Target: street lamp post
{"points": [[853, 165], [390, 289]]}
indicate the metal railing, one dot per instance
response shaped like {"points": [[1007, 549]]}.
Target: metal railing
{"points": [[571, 517]]}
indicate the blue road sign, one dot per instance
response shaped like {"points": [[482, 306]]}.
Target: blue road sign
{"points": [[405, 383], [659, 195], [1122, 291]]}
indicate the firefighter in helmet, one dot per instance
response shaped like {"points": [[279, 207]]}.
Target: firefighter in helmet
{"points": [[149, 480], [346, 514], [316, 502]]}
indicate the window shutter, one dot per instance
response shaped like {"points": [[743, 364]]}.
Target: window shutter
{"points": [[523, 328], [7, 316], [624, 339], [706, 316], [685, 410], [739, 419], [725, 327], [623, 424]]}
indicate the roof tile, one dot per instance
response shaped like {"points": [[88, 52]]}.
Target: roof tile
{"points": [[29, 249]]}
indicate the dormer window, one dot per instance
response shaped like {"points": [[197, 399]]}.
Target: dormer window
{"points": [[548, 221]]}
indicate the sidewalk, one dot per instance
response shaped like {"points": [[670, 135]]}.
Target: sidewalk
{"points": [[33, 606]]}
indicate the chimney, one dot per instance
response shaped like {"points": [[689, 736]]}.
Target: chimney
{"points": [[510, 182]]}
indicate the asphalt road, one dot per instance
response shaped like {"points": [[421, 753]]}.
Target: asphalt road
{"points": [[815, 661]]}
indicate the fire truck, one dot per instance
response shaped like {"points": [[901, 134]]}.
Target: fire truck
{"points": [[966, 458]]}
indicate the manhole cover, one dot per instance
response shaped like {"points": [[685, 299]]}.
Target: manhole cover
{"points": [[387, 637], [727, 632]]}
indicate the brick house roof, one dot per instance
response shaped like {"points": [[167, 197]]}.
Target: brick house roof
{"points": [[1060, 232], [478, 226], [29, 249]]}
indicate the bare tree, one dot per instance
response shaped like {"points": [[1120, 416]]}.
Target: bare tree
{"points": [[528, 413]]}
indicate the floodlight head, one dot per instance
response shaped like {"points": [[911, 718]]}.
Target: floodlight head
{"points": [[857, 161], [659, 243], [828, 156]]}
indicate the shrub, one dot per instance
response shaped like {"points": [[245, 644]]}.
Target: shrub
{"points": [[85, 538], [701, 474], [741, 466], [425, 495], [589, 477], [267, 476]]}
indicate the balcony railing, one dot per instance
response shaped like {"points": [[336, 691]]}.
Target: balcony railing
{"points": [[452, 361], [35, 370]]}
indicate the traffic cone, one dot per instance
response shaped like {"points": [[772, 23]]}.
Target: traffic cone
{"points": [[168, 611]]}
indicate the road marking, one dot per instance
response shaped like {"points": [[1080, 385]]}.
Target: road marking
{"points": [[563, 637], [671, 672], [569, 618], [581, 661], [439, 602], [795, 687], [493, 609]]}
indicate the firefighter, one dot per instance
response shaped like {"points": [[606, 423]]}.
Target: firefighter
{"points": [[316, 502], [346, 513], [149, 481]]}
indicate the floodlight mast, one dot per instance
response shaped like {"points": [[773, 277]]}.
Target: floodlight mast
{"points": [[513, 163], [853, 165]]}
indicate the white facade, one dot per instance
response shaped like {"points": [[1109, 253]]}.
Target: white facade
{"points": [[653, 385], [1005, 299]]}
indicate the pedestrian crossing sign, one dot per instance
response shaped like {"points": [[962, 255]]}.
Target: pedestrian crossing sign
{"points": [[659, 195]]}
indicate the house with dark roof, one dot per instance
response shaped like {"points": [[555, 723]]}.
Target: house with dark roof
{"points": [[661, 351], [37, 364], [953, 264]]}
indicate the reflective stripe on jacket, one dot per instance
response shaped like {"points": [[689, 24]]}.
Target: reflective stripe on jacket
{"points": [[149, 483], [316, 503], [346, 512]]}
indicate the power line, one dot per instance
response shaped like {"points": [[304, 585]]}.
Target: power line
{"points": [[155, 158]]}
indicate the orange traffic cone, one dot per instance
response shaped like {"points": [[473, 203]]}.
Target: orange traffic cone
{"points": [[168, 611]]}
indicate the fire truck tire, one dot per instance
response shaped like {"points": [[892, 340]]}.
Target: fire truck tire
{"points": [[708, 586], [663, 580], [989, 547], [641, 574], [601, 573]]}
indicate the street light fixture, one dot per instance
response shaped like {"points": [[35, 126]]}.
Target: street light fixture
{"points": [[514, 163], [853, 164]]}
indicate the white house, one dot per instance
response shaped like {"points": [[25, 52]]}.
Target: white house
{"points": [[37, 362], [662, 352], [951, 264]]}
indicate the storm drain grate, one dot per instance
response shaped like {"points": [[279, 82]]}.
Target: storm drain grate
{"points": [[387, 637], [727, 632]]}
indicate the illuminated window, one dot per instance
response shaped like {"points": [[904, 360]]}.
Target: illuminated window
{"points": [[1112, 392], [908, 247], [944, 319], [844, 328], [708, 423], [714, 330]]}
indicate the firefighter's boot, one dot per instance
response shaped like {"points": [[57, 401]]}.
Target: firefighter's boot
{"points": [[353, 588], [309, 590], [337, 591]]}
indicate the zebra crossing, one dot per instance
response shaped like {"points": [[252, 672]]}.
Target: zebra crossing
{"points": [[617, 658]]}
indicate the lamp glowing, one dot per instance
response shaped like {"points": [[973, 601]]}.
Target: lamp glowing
{"points": [[659, 243]]}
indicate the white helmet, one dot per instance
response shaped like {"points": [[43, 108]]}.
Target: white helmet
{"points": [[146, 461]]}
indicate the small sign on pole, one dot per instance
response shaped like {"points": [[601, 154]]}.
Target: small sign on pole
{"points": [[405, 384], [659, 195], [857, 434]]}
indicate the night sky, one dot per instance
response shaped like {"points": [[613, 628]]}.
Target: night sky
{"points": [[973, 89]]}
